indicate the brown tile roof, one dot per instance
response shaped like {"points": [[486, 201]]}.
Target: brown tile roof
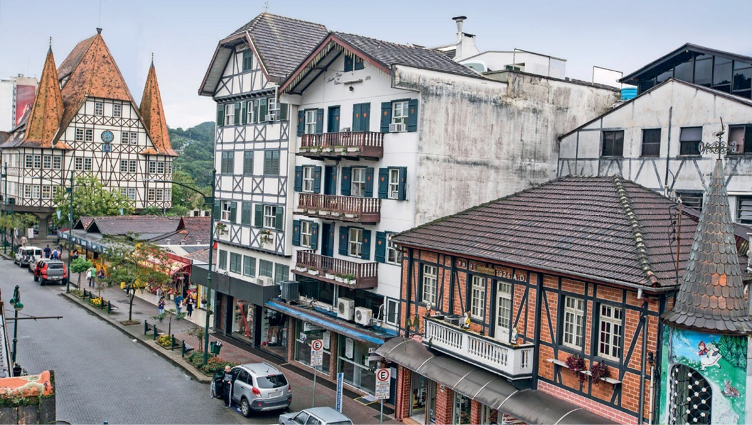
{"points": [[190, 231], [711, 296], [46, 114], [153, 115], [602, 228], [74, 57], [146, 226]]}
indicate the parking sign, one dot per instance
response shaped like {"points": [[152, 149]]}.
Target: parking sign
{"points": [[382, 383], [317, 352]]}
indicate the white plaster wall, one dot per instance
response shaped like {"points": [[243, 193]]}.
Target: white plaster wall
{"points": [[533, 63], [234, 80], [7, 87]]}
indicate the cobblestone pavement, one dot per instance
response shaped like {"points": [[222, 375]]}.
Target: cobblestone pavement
{"points": [[102, 375]]}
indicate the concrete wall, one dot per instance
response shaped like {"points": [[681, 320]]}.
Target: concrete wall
{"points": [[481, 139], [532, 63]]}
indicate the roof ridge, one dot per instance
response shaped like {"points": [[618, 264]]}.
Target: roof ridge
{"points": [[412, 46], [642, 255], [290, 19]]}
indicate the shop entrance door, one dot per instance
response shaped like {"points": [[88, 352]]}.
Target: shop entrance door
{"points": [[503, 311], [418, 398]]}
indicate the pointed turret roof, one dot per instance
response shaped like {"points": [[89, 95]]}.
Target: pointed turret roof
{"points": [[711, 295], [47, 113], [153, 115]]}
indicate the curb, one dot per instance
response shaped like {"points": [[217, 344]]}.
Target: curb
{"points": [[188, 368]]}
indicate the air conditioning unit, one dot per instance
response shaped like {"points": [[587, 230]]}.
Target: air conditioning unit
{"points": [[265, 281], [453, 319], [363, 316], [396, 127], [289, 290], [270, 117], [345, 308]]}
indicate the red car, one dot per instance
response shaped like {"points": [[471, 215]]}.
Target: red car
{"points": [[50, 271]]}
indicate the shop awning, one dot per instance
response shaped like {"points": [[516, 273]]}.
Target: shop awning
{"points": [[326, 324], [531, 406]]}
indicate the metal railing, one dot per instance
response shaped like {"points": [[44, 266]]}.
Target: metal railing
{"points": [[347, 208], [362, 143], [364, 275]]}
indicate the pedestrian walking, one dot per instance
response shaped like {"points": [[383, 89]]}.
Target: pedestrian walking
{"points": [[161, 305], [227, 382], [74, 254], [24, 241], [54, 255], [91, 275], [100, 274], [189, 306], [47, 251], [178, 303], [159, 292]]}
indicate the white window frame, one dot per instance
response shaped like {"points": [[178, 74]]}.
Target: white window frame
{"points": [[358, 181], [609, 331], [504, 309], [270, 217], [99, 108], [152, 167], [29, 163], [89, 135], [46, 192], [132, 193], [117, 110], [134, 137], [160, 195], [308, 179], [355, 242], [306, 233], [393, 183], [160, 167], [150, 195], [133, 166], [79, 135], [249, 112], [57, 162], [574, 322], [391, 305], [125, 137], [35, 191], [400, 112], [168, 195], [226, 210], [230, 114], [88, 164], [78, 163], [393, 255], [47, 162], [37, 161], [478, 297], [310, 121], [430, 284], [27, 191]]}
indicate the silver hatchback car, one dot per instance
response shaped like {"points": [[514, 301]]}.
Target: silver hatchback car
{"points": [[260, 387], [315, 416]]}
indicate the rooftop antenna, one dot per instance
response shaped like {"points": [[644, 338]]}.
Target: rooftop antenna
{"points": [[266, 6]]}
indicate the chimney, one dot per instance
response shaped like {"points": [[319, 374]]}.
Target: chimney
{"points": [[459, 20]]}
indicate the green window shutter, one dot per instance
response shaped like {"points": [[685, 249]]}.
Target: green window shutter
{"points": [[283, 107], [237, 113], [259, 216], [245, 216], [345, 186], [334, 125], [369, 182], [386, 116], [301, 123], [365, 108], [247, 59], [248, 163], [279, 220], [220, 115], [298, 178], [319, 121], [356, 118], [383, 183], [262, 109], [358, 63], [366, 247], [314, 236], [296, 232], [243, 114], [380, 253], [412, 115], [348, 63], [317, 179], [343, 240], [233, 211], [217, 210], [222, 259], [402, 183]]}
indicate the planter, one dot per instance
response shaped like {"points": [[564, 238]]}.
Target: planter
{"points": [[313, 272], [301, 269], [353, 149], [340, 149], [329, 276], [339, 279], [323, 212], [349, 281], [329, 149], [348, 215]]}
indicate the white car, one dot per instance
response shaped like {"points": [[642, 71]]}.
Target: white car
{"points": [[26, 255], [315, 416]]}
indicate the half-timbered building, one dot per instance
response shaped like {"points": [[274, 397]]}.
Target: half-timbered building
{"points": [[542, 306], [85, 121], [254, 161]]}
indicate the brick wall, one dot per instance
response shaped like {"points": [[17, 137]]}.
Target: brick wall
{"points": [[402, 401], [444, 401], [591, 405]]}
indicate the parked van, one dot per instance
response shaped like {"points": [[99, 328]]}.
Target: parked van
{"points": [[27, 255]]}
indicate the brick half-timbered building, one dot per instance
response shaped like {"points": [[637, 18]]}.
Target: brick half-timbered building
{"points": [[500, 302]]}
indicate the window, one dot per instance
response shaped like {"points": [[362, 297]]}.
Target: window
{"points": [[353, 63], [87, 164], [741, 137], [132, 193], [29, 159], [272, 102], [47, 162], [393, 255], [98, 108], [235, 262], [307, 179], [281, 272], [690, 140], [222, 263], [266, 268], [429, 284], [226, 210], [134, 137], [132, 166], [691, 198], [310, 121], [574, 322], [227, 165], [270, 216], [504, 308], [691, 397], [35, 191], [358, 182], [271, 163], [78, 163], [117, 110], [37, 161], [651, 142], [160, 167], [399, 113], [248, 163], [247, 59], [392, 312], [355, 242], [79, 134], [160, 195], [393, 183], [89, 135], [27, 191], [168, 194], [125, 137], [249, 112], [46, 192], [613, 143], [744, 209], [609, 339], [56, 162], [478, 298], [249, 266], [152, 167], [305, 233], [230, 114], [150, 195]]}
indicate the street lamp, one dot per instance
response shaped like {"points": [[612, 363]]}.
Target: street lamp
{"points": [[207, 201], [70, 236], [17, 306]]}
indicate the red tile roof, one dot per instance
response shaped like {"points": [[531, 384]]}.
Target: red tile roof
{"points": [[47, 113], [153, 115]]}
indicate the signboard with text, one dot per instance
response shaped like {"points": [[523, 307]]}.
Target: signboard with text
{"points": [[382, 383], [317, 352]]}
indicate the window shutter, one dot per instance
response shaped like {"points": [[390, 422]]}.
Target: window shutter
{"points": [[412, 115], [383, 183], [298, 178], [217, 210], [258, 219], [243, 114], [380, 254], [220, 115], [369, 182], [319, 121], [334, 125], [245, 216], [314, 236], [365, 109], [345, 185], [356, 118], [262, 109], [348, 63], [317, 179], [279, 220], [283, 111], [301, 122], [386, 116], [402, 183], [296, 232], [233, 211], [366, 248], [237, 113], [343, 240]]}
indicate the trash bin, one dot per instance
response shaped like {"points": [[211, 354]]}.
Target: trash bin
{"points": [[216, 346]]}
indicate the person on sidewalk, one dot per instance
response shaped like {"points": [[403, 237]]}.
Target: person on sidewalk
{"points": [[24, 241], [227, 381], [161, 305], [91, 275], [189, 306], [54, 255], [74, 255], [178, 303], [47, 251]]}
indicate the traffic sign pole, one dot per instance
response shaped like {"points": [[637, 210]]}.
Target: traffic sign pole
{"points": [[383, 380], [317, 357]]}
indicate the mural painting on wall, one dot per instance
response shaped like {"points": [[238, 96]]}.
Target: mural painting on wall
{"points": [[720, 359]]}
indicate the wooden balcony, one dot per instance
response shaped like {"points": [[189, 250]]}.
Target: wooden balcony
{"points": [[354, 209], [334, 270], [350, 145], [512, 361]]}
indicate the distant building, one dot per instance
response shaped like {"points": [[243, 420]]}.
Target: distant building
{"points": [[16, 95]]}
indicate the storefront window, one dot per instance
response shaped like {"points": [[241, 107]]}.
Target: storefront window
{"points": [[461, 414], [273, 337], [305, 333], [242, 324], [488, 416], [418, 397], [353, 362]]}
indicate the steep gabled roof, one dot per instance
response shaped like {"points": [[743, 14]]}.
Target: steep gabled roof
{"points": [[142, 225], [44, 120], [152, 113], [600, 228]]}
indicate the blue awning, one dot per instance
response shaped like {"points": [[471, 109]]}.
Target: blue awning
{"points": [[352, 333]]}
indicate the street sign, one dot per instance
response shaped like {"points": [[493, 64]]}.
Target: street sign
{"points": [[317, 352], [382, 383], [340, 384]]}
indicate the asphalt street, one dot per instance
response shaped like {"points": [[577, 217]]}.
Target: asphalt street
{"points": [[102, 375]]}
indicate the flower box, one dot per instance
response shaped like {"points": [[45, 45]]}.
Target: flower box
{"points": [[339, 279], [329, 275], [313, 272], [327, 149], [323, 212], [301, 269], [353, 149], [348, 215]]}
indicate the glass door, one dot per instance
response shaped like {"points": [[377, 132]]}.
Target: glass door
{"points": [[503, 311], [461, 413], [418, 398]]}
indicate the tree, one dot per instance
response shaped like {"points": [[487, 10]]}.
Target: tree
{"points": [[183, 197], [11, 222], [135, 265], [80, 265], [90, 198]]}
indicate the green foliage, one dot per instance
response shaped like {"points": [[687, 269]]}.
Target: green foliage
{"points": [[734, 350], [197, 159], [214, 364], [80, 265], [90, 198]]}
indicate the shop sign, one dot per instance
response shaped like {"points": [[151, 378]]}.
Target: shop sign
{"points": [[340, 385], [327, 337], [382, 383], [303, 336], [502, 273], [349, 348], [317, 352], [310, 327]]}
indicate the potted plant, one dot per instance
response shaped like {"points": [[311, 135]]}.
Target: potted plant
{"points": [[329, 275], [339, 278], [301, 268], [599, 371], [313, 272], [221, 229], [350, 279], [576, 364], [266, 237], [340, 149]]}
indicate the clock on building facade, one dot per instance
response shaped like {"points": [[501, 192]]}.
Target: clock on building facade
{"points": [[107, 136]]}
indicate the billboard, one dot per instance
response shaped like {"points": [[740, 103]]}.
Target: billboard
{"points": [[24, 98]]}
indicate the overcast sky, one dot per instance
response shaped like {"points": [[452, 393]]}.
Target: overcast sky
{"points": [[182, 34]]}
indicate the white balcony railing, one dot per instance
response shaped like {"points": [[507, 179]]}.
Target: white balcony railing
{"points": [[512, 361]]}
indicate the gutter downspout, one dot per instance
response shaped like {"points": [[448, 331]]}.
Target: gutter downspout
{"points": [[409, 289], [668, 149], [641, 408]]}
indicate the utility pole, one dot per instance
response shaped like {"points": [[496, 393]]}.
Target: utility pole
{"points": [[211, 258], [70, 233], [5, 204]]}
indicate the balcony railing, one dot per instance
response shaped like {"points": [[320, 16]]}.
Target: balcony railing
{"points": [[364, 144], [512, 361], [337, 271], [346, 208]]}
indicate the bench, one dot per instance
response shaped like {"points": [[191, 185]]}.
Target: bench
{"points": [[152, 328]]}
